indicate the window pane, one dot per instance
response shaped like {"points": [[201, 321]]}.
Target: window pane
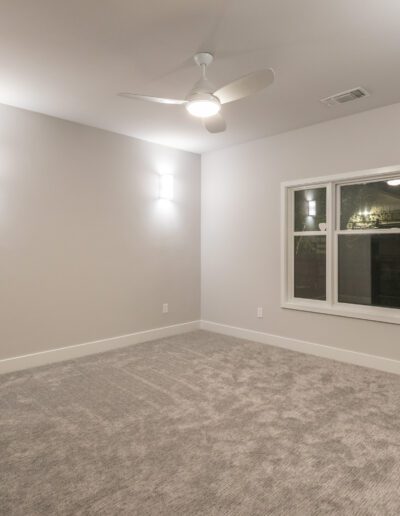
{"points": [[310, 267], [370, 205], [310, 209], [369, 270]]}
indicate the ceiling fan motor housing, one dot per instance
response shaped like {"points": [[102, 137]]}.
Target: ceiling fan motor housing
{"points": [[203, 85], [200, 101]]}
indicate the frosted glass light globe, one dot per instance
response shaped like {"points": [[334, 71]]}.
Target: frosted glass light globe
{"points": [[203, 105]]}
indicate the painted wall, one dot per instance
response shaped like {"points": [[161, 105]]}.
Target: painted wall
{"points": [[241, 226], [87, 250]]}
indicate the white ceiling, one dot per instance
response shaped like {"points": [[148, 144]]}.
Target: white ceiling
{"points": [[70, 58]]}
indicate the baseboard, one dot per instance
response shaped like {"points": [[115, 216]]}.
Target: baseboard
{"points": [[8, 365], [320, 350]]}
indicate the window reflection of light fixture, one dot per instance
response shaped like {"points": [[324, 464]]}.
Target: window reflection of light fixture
{"points": [[312, 208], [166, 187], [393, 182]]}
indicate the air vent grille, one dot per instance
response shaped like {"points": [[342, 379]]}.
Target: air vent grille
{"points": [[345, 96]]}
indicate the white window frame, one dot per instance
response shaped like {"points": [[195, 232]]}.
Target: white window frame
{"points": [[331, 305]]}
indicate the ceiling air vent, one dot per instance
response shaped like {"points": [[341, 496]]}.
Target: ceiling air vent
{"points": [[345, 96]]}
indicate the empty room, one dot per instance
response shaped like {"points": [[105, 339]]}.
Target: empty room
{"points": [[199, 258]]}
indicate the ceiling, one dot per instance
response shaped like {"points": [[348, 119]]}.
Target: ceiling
{"points": [[69, 59]]}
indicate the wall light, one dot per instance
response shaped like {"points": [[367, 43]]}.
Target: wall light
{"points": [[393, 182], [312, 208], [166, 187]]}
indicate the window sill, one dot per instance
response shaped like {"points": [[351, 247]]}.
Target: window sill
{"points": [[387, 315]]}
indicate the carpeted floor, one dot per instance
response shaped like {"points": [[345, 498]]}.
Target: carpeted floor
{"points": [[200, 424]]}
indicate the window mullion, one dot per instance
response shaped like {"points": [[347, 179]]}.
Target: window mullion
{"points": [[330, 222]]}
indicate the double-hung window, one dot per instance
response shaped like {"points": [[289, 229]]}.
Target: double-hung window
{"points": [[341, 245]]}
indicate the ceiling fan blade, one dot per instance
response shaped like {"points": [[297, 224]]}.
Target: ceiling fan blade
{"points": [[217, 16], [215, 124], [151, 99], [208, 43], [186, 64], [245, 86]]}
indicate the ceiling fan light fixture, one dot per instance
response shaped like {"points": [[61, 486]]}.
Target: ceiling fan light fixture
{"points": [[203, 105], [204, 101]]}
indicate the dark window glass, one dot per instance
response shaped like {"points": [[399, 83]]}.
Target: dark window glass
{"points": [[370, 205], [369, 270], [310, 267], [310, 209]]}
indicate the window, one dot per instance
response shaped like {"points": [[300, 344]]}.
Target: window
{"points": [[341, 245]]}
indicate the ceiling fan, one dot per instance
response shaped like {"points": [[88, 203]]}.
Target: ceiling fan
{"points": [[203, 101]]}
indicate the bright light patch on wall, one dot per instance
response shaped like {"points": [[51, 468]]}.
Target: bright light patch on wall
{"points": [[166, 187], [393, 182], [312, 208]]}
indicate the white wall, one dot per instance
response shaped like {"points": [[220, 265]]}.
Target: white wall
{"points": [[87, 251], [241, 226]]}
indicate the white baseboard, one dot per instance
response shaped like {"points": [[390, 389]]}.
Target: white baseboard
{"points": [[98, 346], [320, 350], [8, 365]]}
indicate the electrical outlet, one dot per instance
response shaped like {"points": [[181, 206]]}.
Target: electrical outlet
{"points": [[165, 308], [260, 312]]}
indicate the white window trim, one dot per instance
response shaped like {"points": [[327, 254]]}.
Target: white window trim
{"points": [[331, 306]]}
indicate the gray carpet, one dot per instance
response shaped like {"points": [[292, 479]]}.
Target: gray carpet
{"points": [[200, 424]]}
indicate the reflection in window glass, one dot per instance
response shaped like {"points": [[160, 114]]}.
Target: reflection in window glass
{"points": [[310, 267], [369, 270], [310, 209], [370, 205]]}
